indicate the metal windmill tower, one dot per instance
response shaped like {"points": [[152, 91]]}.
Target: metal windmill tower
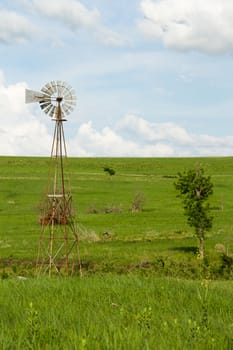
{"points": [[58, 250]]}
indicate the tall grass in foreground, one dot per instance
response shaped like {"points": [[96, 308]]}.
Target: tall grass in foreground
{"points": [[115, 312]]}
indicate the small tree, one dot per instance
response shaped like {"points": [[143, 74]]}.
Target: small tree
{"points": [[110, 171], [195, 189]]}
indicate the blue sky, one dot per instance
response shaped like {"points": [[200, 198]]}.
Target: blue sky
{"points": [[152, 77]]}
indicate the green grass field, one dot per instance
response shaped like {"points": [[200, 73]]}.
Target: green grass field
{"points": [[143, 286], [159, 230], [115, 312]]}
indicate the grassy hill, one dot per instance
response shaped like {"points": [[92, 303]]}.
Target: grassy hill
{"points": [[112, 236], [143, 286]]}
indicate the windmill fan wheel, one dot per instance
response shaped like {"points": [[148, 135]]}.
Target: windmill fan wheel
{"points": [[57, 94]]}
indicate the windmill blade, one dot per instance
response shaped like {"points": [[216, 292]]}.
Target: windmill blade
{"points": [[44, 105], [70, 92], [45, 100], [67, 104], [70, 102], [33, 96], [63, 89], [67, 98], [59, 88], [45, 91], [63, 116], [64, 86], [69, 87], [69, 95], [70, 105], [51, 112], [54, 86], [66, 108], [49, 89], [47, 109], [70, 98]]}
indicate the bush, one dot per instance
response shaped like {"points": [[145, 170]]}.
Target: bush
{"points": [[138, 202], [110, 171]]}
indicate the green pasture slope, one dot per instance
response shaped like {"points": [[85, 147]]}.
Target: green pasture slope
{"points": [[158, 232], [143, 286]]}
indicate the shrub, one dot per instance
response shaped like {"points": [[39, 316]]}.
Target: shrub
{"points": [[110, 171], [138, 202]]}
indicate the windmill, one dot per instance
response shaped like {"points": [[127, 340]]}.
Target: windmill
{"points": [[58, 249]]}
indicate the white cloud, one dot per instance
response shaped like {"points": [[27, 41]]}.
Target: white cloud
{"points": [[90, 142], [136, 137], [22, 133], [14, 28], [109, 37], [189, 24], [154, 132], [75, 15]]}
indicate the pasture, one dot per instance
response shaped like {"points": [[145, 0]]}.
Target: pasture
{"points": [[111, 235], [143, 286], [115, 312]]}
